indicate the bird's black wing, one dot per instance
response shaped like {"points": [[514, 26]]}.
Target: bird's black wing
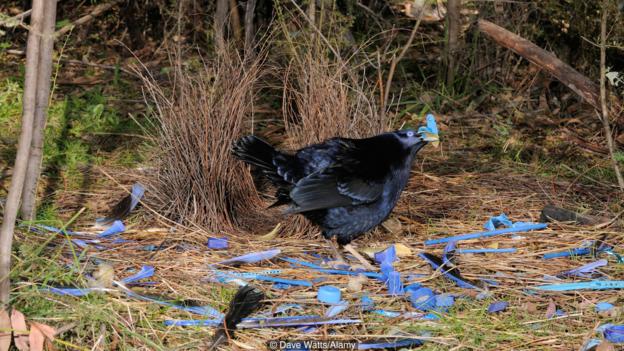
{"points": [[339, 184]]}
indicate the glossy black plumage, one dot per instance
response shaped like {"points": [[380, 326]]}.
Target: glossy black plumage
{"points": [[345, 186]]}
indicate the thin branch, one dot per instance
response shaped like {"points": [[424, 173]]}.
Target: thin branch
{"points": [[603, 94], [396, 60], [98, 10]]}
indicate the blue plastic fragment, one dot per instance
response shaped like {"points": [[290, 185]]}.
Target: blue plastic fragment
{"points": [[579, 251], [591, 344], [343, 272], [217, 243], [300, 262], [394, 284], [388, 255], [521, 228], [150, 247], [70, 291], [498, 221], [386, 269], [336, 309], [498, 306], [391, 314], [389, 345], [137, 194], [423, 299], [604, 306], [252, 257], [292, 322], [281, 286], [144, 273], [475, 251], [591, 285], [614, 334], [412, 287], [430, 131], [56, 230], [329, 294], [444, 301], [283, 280], [115, 228], [367, 303], [194, 323], [585, 270]]}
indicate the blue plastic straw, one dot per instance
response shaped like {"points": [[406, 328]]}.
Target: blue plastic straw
{"points": [[592, 285], [466, 251], [579, 251], [522, 228]]}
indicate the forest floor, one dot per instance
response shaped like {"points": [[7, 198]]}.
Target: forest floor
{"points": [[487, 164]]}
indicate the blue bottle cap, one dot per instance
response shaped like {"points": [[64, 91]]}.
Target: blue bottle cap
{"points": [[217, 243], [329, 294]]}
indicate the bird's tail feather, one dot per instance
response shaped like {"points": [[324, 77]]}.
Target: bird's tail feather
{"points": [[254, 151]]}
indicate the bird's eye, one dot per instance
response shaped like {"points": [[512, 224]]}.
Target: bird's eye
{"points": [[410, 134]]}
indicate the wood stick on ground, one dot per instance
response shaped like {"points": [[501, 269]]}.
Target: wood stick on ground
{"points": [[603, 94], [567, 75], [98, 10], [29, 192], [21, 159]]}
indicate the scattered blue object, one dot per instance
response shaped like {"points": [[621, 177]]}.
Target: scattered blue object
{"points": [[144, 273], [394, 284], [444, 301], [498, 221], [55, 230], [300, 262], [70, 291], [591, 344], [217, 243], [193, 323], [297, 321], [336, 309], [252, 257], [367, 303], [329, 294], [585, 270], [604, 306], [475, 251], [115, 228], [412, 287], [388, 255], [389, 345], [498, 306], [521, 228], [591, 285], [149, 248], [429, 132], [579, 251], [386, 269], [614, 334], [281, 286], [423, 299]]}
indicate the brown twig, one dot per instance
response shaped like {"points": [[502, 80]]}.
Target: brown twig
{"points": [[394, 63], [603, 94], [98, 10]]}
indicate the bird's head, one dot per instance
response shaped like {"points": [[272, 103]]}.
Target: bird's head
{"points": [[410, 138]]}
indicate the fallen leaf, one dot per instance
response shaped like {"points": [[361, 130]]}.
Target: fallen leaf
{"points": [[605, 346], [20, 330], [530, 307], [36, 338], [5, 330], [47, 330], [551, 309], [493, 245]]}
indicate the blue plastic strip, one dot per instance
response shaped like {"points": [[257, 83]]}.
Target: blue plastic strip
{"points": [[473, 251], [461, 283], [522, 228], [390, 345], [70, 291], [252, 257], [144, 273], [592, 285], [584, 270], [580, 251], [300, 262]]}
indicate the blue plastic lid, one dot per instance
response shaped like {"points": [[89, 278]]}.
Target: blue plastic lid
{"points": [[329, 294], [217, 243]]}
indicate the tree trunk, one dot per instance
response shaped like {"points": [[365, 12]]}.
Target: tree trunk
{"points": [[29, 194], [235, 21], [452, 44], [21, 160], [220, 19], [250, 31]]}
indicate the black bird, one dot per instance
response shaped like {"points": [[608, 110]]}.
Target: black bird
{"points": [[345, 186]]}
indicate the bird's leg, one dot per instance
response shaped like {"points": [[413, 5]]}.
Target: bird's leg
{"points": [[359, 257], [339, 259]]}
